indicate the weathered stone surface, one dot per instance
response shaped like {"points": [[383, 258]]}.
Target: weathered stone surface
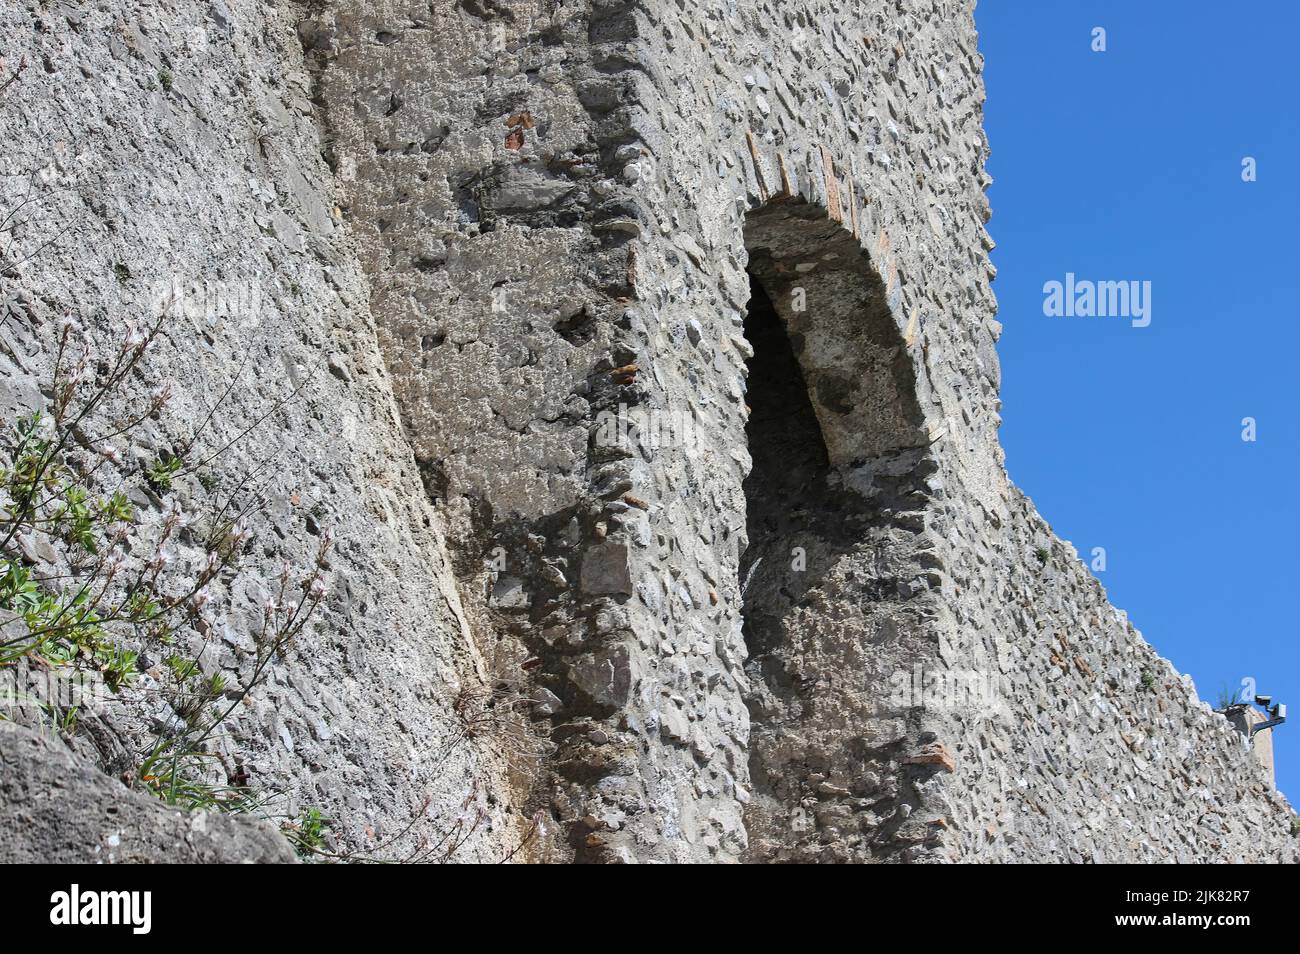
{"points": [[933, 755], [836, 165], [741, 581], [56, 808], [216, 188], [605, 569]]}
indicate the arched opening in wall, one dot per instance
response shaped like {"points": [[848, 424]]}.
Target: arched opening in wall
{"points": [[835, 436], [787, 492]]}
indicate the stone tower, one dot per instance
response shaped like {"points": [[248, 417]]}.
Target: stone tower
{"points": [[668, 340]]}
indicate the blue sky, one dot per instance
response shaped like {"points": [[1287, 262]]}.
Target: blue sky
{"points": [[1126, 165]]}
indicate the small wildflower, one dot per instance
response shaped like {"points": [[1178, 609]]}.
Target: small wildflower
{"points": [[113, 565], [201, 599], [317, 589], [110, 454], [162, 394]]}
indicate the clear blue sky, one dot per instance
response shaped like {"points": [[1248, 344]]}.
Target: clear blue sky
{"points": [[1126, 165]]}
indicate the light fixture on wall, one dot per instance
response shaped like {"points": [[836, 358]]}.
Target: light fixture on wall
{"points": [[1278, 712]]}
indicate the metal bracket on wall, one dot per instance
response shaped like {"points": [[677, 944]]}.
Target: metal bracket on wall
{"points": [[1278, 712]]}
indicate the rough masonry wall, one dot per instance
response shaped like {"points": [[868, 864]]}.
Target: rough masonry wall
{"points": [[557, 203], [1033, 686], [180, 152], [549, 208], [477, 146], [1060, 747]]}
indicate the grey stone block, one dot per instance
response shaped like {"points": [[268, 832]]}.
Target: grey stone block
{"points": [[56, 808]]}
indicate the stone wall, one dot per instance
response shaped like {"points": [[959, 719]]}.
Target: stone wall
{"points": [[172, 146], [557, 204], [59, 809], [733, 614]]}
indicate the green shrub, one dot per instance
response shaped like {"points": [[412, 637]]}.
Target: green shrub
{"points": [[89, 583]]}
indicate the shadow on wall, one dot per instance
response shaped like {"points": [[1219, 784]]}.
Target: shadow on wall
{"points": [[837, 446], [799, 522]]}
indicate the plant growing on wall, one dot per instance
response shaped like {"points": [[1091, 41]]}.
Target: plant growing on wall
{"points": [[91, 583]]}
